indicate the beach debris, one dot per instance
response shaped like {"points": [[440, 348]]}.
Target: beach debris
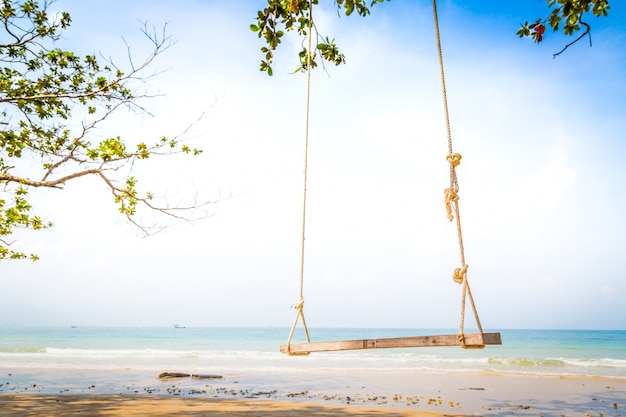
{"points": [[170, 375], [412, 400], [196, 391], [206, 376], [298, 394], [435, 401], [265, 393], [174, 390], [453, 404]]}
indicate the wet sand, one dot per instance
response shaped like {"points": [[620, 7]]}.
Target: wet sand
{"points": [[320, 394]]}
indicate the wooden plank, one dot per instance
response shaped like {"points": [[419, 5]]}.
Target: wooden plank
{"points": [[471, 339]]}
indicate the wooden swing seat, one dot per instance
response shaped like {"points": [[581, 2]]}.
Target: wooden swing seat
{"points": [[472, 340]]}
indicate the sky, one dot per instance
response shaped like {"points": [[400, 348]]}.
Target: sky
{"points": [[542, 141]]}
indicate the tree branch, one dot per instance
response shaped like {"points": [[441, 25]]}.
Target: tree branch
{"points": [[586, 32], [57, 183], [52, 99]]}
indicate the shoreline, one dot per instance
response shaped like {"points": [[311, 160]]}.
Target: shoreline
{"points": [[124, 392]]}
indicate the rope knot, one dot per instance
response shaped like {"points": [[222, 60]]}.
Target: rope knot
{"points": [[465, 346], [454, 159], [460, 274], [299, 305], [450, 196]]}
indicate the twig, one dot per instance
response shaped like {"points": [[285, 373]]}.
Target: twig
{"points": [[586, 32]]}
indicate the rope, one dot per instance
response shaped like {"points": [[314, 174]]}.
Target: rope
{"points": [[450, 194], [299, 306], [453, 182], [451, 199]]}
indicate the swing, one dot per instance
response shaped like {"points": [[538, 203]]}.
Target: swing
{"points": [[467, 341]]}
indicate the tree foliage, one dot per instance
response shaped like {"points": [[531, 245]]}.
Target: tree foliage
{"points": [[52, 99], [281, 16], [566, 15]]}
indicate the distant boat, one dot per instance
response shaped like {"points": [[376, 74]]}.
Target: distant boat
{"points": [[178, 326]]}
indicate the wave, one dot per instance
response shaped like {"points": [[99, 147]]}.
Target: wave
{"points": [[227, 360], [120, 353], [375, 356], [560, 362], [594, 363], [23, 350]]}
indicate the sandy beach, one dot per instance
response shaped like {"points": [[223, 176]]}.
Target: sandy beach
{"points": [[362, 394], [121, 405]]}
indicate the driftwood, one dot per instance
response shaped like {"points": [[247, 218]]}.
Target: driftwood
{"points": [[170, 375]]}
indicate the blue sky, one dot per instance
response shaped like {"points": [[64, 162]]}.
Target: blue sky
{"points": [[542, 141]]}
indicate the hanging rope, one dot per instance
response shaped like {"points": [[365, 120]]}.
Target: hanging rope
{"points": [[451, 198], [299, 306]]}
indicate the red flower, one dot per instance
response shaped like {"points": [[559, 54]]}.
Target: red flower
{"points": [[539, 31]]}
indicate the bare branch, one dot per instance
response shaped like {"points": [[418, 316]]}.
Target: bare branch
{"points": [[585, 33]]}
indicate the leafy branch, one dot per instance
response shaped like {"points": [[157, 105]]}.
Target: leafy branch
{"points": [[52, 100], [281, 16], [568, 15]]}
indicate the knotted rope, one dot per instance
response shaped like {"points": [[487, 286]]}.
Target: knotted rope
{"points": [[451, 199], [299, 306]]}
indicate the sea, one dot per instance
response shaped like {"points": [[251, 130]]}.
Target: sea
{"points": [[242, 362], [211, 350]]}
